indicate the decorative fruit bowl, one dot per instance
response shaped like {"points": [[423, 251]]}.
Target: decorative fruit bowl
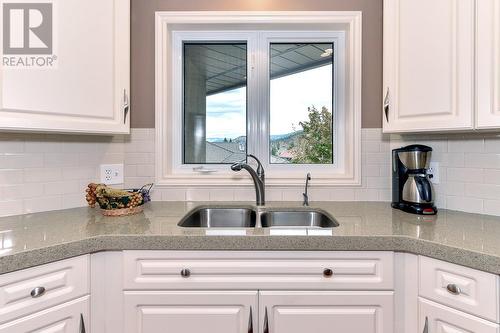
{"points": [[114, 202]]}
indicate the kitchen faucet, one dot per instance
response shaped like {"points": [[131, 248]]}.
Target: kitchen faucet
{"points": [[257, 177], [305, 195]]}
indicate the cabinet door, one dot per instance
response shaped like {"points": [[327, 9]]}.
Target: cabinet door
{"points": [[80, 81], [71, 317], [318, 312], [190, 312], [437, 318], [428, 65], [488, 64]]}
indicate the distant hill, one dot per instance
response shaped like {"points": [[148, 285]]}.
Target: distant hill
{"points": [[279, 137], [285, 136]]}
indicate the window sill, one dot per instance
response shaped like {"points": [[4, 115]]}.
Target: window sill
{"points": [[237, 181]]}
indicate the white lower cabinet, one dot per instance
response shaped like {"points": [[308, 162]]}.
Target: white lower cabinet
{"points": [[325, 311], [437, 318], [190, 312], [264, 311], [70, 317]]}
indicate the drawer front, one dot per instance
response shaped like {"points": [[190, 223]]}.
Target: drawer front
{"points": [[150, 270], [438, 318], [61, 281], [71, 317], [460, 287]]}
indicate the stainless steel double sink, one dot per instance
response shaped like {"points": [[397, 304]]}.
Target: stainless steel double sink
{"points": [[249, 217]]}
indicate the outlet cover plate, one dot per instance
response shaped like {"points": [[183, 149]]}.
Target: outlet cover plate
{"points": [[433, 172], [112, 174]]}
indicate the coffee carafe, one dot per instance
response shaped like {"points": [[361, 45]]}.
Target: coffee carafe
{"points": [[412, 190]]}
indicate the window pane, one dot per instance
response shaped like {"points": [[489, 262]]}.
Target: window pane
{"points": [[215, 102], [301, 98]]}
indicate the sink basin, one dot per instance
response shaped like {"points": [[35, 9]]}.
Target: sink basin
{"points": [[297, 218], [213, 217]]}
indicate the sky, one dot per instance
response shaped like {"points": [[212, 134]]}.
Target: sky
{"points": [[290, 97]]}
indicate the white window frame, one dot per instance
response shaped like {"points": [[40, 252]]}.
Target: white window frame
{"points": [[345, 33]]}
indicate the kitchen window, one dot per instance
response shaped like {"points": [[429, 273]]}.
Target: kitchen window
{"points": [[286, 95]]}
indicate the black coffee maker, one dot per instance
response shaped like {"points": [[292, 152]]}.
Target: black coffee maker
{"points": [[412, 190]]}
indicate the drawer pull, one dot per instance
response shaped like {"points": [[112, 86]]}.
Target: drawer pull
{"points": [[185, 273], [327, 272], [250, 322], [453, 289], [37, 292], [82, 324]]}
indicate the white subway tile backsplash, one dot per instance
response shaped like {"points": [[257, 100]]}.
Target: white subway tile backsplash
{"points": [[45, 172], [376, 158], [491, 176], [11, 207], [492, 145], [42, 175], [467, 204], [145, 170], [371, 170], [78, 173], [11, 146], [73, 200], [52, 171], [60, 160], [139, 158], [492, 207], [244, 194], [466, 146], [378, 182], [45, 146], [484, 191], [19, 161], [195, 194], [342, 194], [174, 194], [366, 194], [12, 176], [485, 161], [223, 194], [449, 159], [274, 194], [64, 187], [464, 175], [42, 204]]}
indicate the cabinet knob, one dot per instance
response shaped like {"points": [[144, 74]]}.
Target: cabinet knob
{"points": [[38, 292], [453, 289], [327, 272], [185, 273]]}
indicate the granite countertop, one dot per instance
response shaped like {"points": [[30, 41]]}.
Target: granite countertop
{"points": [[467, 239]]}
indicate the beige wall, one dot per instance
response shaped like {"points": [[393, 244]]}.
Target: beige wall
{"points": [[143, 46]]}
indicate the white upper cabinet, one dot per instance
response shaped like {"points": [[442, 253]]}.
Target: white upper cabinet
{"points": [[488, 64], [66, 67], [428, 65]]}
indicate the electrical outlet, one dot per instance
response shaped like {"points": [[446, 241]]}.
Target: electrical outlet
{"points": [[112, 174], [433, 172]]}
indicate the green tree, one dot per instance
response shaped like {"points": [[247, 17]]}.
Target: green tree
{"points": [[315, 146]]}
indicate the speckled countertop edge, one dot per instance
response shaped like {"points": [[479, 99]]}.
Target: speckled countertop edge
{"points": [[35, 257], [470, 240]]}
